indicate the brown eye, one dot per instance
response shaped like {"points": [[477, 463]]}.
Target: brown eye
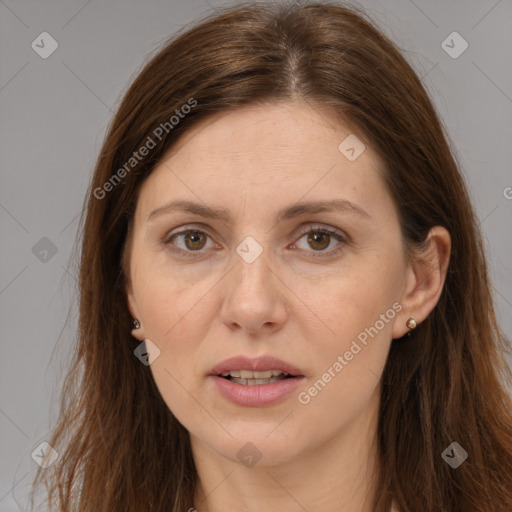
{"points": [[194, 240], [319, 240]]}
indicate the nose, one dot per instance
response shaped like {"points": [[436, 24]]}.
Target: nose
{"points": [[255, 300]]}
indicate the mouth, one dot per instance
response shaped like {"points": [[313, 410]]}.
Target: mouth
{"points": [[257, 382], [254, 378], [246, 371]]}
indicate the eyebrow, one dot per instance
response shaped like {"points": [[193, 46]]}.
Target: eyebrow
{"points": [[304, 208]]}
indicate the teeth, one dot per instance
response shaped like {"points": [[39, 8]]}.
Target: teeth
{"points": [[249, 374], [233, 373], [254, 382]]}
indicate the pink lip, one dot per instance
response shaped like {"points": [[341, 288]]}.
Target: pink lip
{"points": [[259, 395]]}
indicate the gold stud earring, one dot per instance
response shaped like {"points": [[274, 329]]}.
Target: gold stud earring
{"points": [[135, 324], [411, 323]]}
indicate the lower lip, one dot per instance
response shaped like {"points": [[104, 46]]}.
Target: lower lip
{"points": [[258, 395]]}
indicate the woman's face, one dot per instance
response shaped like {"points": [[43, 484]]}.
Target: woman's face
{"points": [[255, 283]]}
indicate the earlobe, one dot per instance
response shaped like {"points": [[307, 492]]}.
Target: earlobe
{"points": [[425, 280], [136, 329], [135, 324]]}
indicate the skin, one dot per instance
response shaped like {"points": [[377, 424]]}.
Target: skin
{"points": [[303, 309]]}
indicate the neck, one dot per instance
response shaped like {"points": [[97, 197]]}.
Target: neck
{"points": [[338, 475]]}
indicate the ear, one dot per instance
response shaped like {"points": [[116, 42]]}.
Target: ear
{"points": [[130, 295], [426, 276]]}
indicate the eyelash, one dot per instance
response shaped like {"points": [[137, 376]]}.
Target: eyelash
{"points": [[309, 229]]}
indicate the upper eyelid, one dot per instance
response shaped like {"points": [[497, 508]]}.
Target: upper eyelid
{"points": [[302, 229]]}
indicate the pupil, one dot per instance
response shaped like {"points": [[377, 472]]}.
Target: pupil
{"points": [[193, 238], [313, 239]]}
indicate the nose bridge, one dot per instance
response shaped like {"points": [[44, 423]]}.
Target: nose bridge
{"points": [[254, 299], [252, 261]]}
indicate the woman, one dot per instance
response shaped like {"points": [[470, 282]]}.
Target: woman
{"points": [[284, 296]]}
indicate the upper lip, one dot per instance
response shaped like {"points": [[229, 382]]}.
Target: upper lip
{"points": [[258, 364]]}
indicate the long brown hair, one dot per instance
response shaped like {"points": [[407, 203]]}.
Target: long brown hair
{"points": [[120, 447]]}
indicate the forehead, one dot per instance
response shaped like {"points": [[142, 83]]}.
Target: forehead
{"points": [[285, 128], [270, 154]]}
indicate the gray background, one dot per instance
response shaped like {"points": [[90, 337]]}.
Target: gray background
{"points": [[54, 114]]}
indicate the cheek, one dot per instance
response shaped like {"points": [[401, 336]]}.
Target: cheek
{"points": [[348, 367], [178, 327], [335, 310], [177, 317], [168, 300], [350, 349]]}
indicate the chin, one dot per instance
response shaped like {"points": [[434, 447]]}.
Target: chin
{"points": [[258, 447]]}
